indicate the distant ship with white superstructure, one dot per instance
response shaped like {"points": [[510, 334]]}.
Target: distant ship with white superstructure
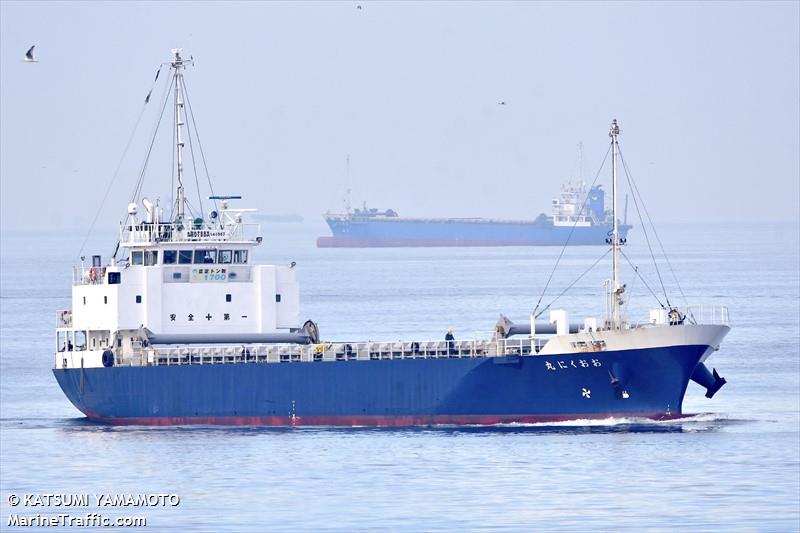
{"points": [[578, 217]]}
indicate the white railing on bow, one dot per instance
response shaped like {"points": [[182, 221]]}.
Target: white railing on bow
{"points": [[707, 314]]}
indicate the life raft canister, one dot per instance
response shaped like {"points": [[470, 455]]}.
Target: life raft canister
{"points": [[108, 358]]}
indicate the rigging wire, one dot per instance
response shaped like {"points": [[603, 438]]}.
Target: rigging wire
{"points": [[192, 210], [137, 188], [636, 269], [629, 292], [655, 233], [174, 171], [571, 231], [140, 181], [545, 308], [644, 229], [119, 164], [200, 146], [194, 168]]}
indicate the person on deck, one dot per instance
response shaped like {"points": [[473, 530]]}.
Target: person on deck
{"points": [[451, 342]]}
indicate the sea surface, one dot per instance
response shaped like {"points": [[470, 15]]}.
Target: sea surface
{"points": [[733, 465]]}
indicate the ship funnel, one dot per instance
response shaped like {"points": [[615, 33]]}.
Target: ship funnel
{"points": [[711, 382]]}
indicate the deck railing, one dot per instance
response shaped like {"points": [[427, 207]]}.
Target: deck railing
{"points": [[144, 233], [88, 275], [707, 314], [336, 351]]}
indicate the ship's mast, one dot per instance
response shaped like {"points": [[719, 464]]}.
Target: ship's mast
{"points": [[178, 64], [616, 288]]}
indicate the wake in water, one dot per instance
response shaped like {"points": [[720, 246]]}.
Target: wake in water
{"points": [[698, 422], [686, 423]]}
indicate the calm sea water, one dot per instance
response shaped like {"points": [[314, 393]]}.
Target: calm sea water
{"points": [[734, 465]]}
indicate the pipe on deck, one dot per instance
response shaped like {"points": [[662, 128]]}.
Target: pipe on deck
{"points": [[300, 337]]}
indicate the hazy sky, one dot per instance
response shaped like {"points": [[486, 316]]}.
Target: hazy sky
{"points": [[707, 96]]}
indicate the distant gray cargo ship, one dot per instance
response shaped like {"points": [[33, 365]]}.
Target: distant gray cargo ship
{"points": [[578, 217]]}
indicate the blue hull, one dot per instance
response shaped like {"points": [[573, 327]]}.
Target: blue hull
{"points": [[396, 392], [366, 232]]}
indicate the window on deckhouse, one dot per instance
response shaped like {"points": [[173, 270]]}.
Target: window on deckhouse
{"points": [[205, 257]]}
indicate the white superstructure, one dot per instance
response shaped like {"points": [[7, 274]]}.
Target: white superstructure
{"points": [[188, 277]]}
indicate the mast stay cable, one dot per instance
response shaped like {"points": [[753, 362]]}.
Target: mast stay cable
{"points": [[137, 189], [119, 164], [571, 231], [639, 274], [655, 233], [644, 230], [194, 165], [199, 145], [140, 182], [545, 308]]}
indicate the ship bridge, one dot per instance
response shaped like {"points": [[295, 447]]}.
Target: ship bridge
{"points": [[187, 279]]}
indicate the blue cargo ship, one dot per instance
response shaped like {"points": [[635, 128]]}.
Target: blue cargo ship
{"points": [[181, 326], [578, 218]]}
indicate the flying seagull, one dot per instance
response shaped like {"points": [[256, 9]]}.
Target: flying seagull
{"points": [[358, 6], [29, 58], [501, 103]]}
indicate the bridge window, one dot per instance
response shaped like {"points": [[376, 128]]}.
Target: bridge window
{"points": [[185, 257], [170, 257], [240, 256], [114, 278], [61, 341], [225, 256], [138, 298], [137, 258], [205, 257], [151, 258], [80, 341]]}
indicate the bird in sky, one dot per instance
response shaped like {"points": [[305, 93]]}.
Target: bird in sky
{"points": [[359, 7], [29, 57], [501, 103]]}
